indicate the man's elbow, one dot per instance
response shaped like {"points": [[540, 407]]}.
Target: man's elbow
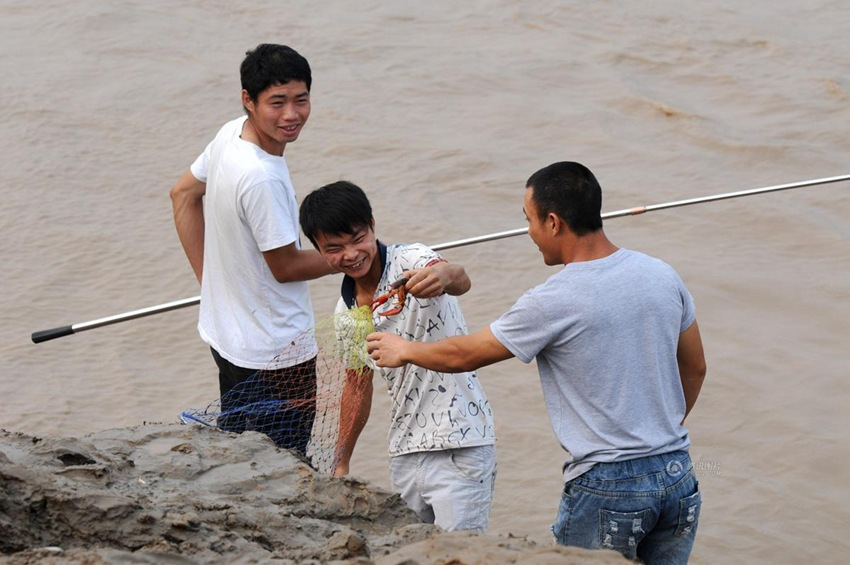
{"points": [[696, 371], [187, 189], [700, 369], [183, 196], [289, 272], [284, 276], [283, 267], [176, 192], [181, 190]]}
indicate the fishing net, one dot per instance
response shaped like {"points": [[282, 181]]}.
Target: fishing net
{"points": [[305, 398]]}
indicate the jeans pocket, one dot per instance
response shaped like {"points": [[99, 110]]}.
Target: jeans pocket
{"points": [[623, 531], [689, 507], [474, 463]]}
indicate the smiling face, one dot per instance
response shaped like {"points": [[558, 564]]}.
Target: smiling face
{"points": [[353, 254], [278, 114]]}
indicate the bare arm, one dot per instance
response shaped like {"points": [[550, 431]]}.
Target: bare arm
{"points": [[187, 201], [354, 410], [691, 359], [451, 355], [288, 264], [439, 278]]}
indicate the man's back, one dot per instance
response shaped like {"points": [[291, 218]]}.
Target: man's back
{"points": [[605, 336], [621, 363]]}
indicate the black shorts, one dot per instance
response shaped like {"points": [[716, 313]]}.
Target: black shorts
{"points": [[280, 403]]}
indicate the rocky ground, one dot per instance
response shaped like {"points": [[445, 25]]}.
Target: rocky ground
{"points": [[176, 494]]}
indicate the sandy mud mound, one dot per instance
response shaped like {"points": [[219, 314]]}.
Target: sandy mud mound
{"points": [[178, 494], [191, 491]]}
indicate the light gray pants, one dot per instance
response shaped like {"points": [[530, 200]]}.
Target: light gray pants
{"points": [[452, 488]]}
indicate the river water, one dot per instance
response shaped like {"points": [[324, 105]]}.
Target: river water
{"points": [[441, 111]]}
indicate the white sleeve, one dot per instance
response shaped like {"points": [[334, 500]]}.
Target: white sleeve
{"points": [[417, 256], [267, 210], [199, 167]]}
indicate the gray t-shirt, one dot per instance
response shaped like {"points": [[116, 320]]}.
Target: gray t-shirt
{"points": [[605, 335]]}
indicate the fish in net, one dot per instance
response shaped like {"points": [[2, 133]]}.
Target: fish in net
{"points": [[304, 398]]}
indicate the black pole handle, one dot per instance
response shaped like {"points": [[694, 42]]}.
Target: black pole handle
{"points": [[47, 335]]}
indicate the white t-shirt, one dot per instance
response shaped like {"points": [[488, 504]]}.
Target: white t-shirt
{"points": [[249, 207], [430, 411]]}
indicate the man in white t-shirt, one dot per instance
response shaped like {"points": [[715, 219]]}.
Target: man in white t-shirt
{"points": [[441, 438], [237, 218]]}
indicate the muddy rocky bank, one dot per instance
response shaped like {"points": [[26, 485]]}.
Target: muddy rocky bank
{"points": [[169, 493]]}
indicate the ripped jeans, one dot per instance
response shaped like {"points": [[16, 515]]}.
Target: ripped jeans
{"points": [[645, 508]]}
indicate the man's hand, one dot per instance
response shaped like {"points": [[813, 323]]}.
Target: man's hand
{"points": [[386, 349], [425, 283], [440, 278]]}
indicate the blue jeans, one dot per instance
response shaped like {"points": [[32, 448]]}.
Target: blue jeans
{"points": [[645, 508]]}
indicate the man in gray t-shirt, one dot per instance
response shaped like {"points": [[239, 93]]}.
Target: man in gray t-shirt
{"points": [[621, 365], [610, 326]]}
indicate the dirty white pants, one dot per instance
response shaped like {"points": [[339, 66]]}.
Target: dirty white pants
{"points": [[452, 488]]}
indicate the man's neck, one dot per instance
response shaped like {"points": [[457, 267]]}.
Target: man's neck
{"points": [[252, 134], [588, 247]]}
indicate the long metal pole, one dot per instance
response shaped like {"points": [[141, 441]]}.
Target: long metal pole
{"points": [[46, 335], [652, 208]]}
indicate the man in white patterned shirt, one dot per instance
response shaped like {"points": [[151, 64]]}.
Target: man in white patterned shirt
{"points": [[441, 439]]}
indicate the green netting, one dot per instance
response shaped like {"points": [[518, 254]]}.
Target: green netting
{"points": [[298, 399]]}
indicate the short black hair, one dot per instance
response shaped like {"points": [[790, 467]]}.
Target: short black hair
{"points": [[570, 191], [269, 64], [334, 209]]}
